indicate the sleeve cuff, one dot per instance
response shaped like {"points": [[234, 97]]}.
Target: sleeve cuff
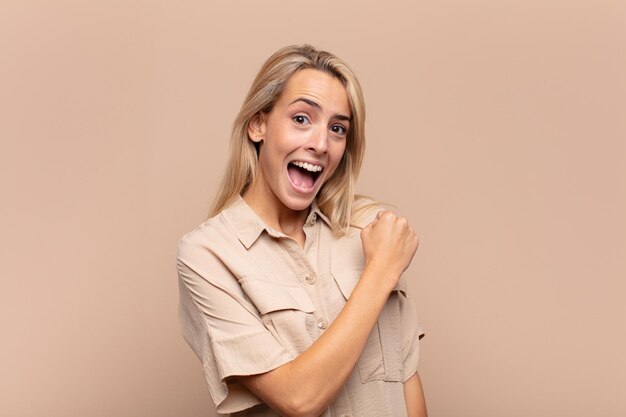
{"points": [[230, 396]]}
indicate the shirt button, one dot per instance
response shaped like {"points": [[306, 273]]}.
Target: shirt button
{"points": [[312, 219], [322, 324], [310, 279]]}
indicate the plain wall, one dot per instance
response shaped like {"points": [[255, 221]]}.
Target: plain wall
{"points": [[497, 128]]}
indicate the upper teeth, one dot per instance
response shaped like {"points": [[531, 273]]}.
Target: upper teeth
{"points": [[307, 166]]}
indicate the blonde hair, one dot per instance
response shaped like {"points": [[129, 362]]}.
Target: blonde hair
{"points": [[336, 198]]}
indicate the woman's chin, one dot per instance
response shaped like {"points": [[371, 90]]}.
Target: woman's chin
{"points": [[298, 201]]}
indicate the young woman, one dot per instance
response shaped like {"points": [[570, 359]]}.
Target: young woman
{"points": [[291, 294]]}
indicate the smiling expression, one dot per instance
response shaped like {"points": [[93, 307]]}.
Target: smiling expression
{"points": [[302, 139]]}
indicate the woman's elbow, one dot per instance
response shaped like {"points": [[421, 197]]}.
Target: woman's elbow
{"points": [[288, 398], [303, 406]]}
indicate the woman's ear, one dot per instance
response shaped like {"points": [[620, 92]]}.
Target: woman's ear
{"points": [[256, 127]]}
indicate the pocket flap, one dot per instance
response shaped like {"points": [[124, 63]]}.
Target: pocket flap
{"points": [[268, 296], [401, 285], [347, 280]]}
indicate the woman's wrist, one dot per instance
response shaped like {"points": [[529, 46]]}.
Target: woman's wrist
{"points": [[381, 276]]}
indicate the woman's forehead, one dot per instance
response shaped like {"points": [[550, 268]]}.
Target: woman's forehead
{"points": [[317, 86]]}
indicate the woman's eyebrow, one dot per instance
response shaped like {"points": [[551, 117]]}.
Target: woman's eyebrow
{"points": [[318, 107]]}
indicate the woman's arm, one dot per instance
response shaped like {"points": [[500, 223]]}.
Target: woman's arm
{"points": [[414, 397], [308, 384]]}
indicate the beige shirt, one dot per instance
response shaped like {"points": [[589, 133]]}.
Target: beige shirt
{"points": [[251, 299]]}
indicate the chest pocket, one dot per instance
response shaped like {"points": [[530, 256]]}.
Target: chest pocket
{"points": [[382, 356], [286, 311]]}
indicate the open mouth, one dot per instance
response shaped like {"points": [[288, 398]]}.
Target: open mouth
{"points": [[303, 175]]}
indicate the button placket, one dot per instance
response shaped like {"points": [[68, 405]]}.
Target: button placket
{"points": [[307, 268]]}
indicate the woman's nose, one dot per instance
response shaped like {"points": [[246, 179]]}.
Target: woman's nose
{"points": [[319, 141]]}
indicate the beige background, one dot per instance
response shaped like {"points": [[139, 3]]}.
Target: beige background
{"points": [[498, 128]]}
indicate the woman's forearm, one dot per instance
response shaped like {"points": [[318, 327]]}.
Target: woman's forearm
{"points": [[308, 384], [414, 397]]}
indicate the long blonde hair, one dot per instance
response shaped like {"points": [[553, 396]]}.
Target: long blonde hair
{"points": [[336, 198]]}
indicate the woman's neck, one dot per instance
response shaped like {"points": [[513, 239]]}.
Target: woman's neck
{"points": [[276, 214]]}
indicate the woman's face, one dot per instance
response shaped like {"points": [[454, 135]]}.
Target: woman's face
{"points": [[302, 139]]}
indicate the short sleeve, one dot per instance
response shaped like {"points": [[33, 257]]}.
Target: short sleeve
{"points": [[411, 335], [223, 328]]}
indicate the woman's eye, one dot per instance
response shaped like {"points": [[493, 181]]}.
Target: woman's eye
{"points": [[339, 129], [299, 119]]}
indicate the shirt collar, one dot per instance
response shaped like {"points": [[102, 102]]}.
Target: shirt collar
{"points": [[248, 225]]}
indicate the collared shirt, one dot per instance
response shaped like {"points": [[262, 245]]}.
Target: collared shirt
{"points": [[251, 300]]}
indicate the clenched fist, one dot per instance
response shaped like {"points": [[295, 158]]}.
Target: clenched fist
{"points": [[389, 244]]}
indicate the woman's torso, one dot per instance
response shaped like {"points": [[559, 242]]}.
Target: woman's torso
{"points": [[296, 293]]}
